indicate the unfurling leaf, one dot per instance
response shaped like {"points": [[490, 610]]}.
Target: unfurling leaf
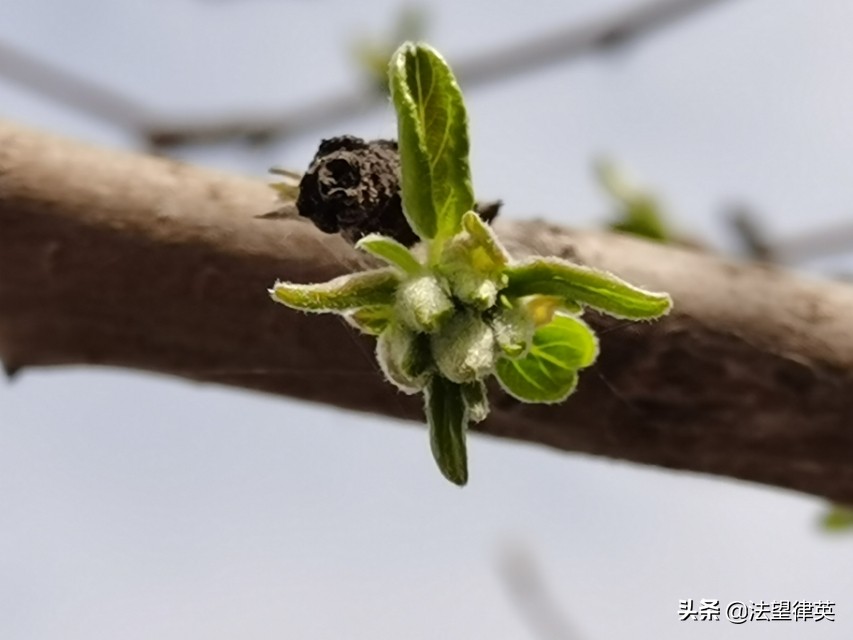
{"points": [[362, 289], [473, 262], [433, 137], [549, 371], [390, 251], [485, 238], [371, 320], [590, 287], [404, 357], [448, 421]]}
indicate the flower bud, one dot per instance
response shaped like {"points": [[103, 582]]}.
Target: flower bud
{"points": [[422, 304], [464, 348], [475, 278]]}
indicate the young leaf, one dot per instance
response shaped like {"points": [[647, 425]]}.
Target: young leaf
{"points": [[448, 420], [390, 251], [433, 137], [476, 400], [404, 357], [370, 320], [549, 371], [593, 288], [473, 263], [362, 289], [485, 238], [478, 288]]}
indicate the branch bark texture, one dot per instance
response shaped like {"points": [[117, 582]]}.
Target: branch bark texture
{"points": [[109, 258]]}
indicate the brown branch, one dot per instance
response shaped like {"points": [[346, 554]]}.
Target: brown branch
{"points": [[122, 260]]}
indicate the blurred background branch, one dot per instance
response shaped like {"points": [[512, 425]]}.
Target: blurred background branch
{"points": [[162, 131], [72, 90], [805, 246], [532, 597]]}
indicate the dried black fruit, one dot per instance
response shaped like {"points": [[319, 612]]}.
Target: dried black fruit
{"points": [[352, 187]]}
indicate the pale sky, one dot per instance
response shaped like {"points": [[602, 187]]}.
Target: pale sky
{"points": [[141, 507]]}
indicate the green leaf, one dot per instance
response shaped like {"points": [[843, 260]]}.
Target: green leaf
{"points": [[371, 320], [476, 400], [549, 371], [448, 421], [432, 130], [594, 288], [390, 251], [362, 289]]}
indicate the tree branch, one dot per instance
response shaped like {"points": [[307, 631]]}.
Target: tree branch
{"points": [[161, 131], [114, 259], [564, 44]]}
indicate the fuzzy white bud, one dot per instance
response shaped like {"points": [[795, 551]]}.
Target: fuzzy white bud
{"points": [[464, 349], [514, 330], [422, 304]]}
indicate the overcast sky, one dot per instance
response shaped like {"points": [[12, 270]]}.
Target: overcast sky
{"points": [[140, 507]]}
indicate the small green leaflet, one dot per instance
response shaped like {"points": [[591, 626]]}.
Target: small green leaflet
{"points": [[404, 357], [549, 371], [362, 289], [390, 251], [371, 320], [448, 420], [591, 287], [485, 238], [433, 139]]}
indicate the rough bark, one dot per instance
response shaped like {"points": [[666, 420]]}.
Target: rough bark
{"points": [[108, 258]]}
